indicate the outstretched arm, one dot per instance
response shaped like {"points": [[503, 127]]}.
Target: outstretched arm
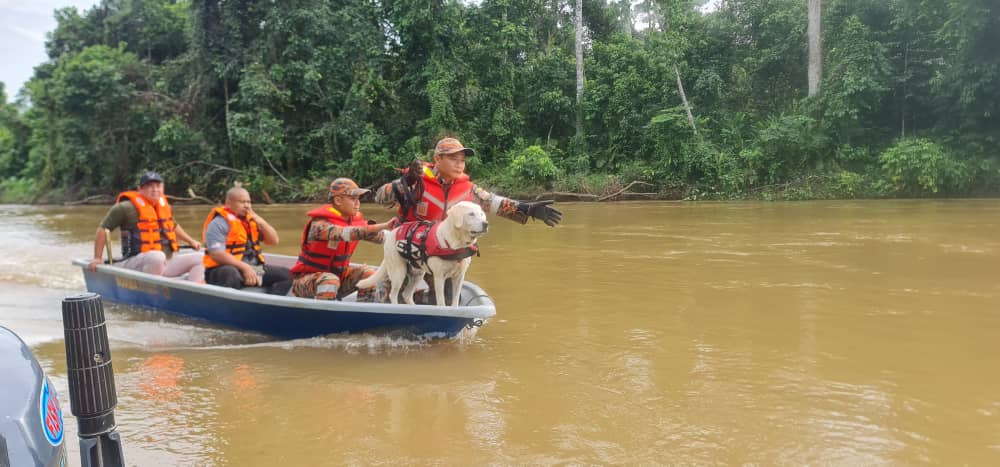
{"points": [[403, 191], [384, 195], [517, 211], [323, 230]]}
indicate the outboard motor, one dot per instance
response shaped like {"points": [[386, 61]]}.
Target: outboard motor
{"points": [[91, 381], [31, 421]]}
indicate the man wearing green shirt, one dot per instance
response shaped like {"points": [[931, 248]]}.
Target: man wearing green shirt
{"points": [[149, 234]]}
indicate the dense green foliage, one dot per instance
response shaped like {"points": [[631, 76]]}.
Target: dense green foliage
{"points": [[285, 95]]}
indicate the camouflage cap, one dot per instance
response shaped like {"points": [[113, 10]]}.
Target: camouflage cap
{"points": [[345, 186], [452, 146]]}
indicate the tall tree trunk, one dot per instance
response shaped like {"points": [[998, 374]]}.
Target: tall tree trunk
{"points": [[555, 25], [504, 22], [815, 47], [649, 15], [902, 101], [626, 6], [229, 135], [124, 166], [684, 99], [579, 66], [680, 84]]}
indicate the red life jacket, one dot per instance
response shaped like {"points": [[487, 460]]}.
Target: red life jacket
{"points": [[239, 242], [316, 255], [417, 241], [433, 203], [155, 229]]}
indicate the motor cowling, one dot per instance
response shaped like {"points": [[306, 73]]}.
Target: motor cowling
{"points": [[32, 428]]}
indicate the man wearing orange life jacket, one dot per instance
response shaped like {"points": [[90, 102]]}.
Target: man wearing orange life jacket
{"points": [[426, 191], [233, 235], [323, 270], [149, 233]]}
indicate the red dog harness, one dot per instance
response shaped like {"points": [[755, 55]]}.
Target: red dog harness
{"points": [[419, 241]]}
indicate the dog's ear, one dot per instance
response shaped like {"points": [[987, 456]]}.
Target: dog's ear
{"points": [[459, 219]]}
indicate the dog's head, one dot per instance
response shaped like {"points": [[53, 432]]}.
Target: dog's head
{"points": [[468, 219]]}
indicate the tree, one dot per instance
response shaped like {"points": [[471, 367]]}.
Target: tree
{"points": [[674, 13], [98, 127], [579, 66], [815, 48], [9, 165]]}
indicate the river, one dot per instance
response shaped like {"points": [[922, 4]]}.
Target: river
{"points": [[833, 332]]}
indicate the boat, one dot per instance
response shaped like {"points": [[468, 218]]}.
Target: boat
{"points": [[284, 317]]}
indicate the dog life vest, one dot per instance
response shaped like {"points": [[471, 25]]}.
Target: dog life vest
{"points": [[155, 229], [433, 200], [239, 242], [316, 255], [417, 241]]}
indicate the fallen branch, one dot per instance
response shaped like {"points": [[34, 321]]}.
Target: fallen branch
{"points": [[192, 196], [623, 190], [96, 199], [563, 194], [648, 195], [287, 183]]}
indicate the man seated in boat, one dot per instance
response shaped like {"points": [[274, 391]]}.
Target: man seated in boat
{"points": [[233, 235], [149, 233], [323, 270]]}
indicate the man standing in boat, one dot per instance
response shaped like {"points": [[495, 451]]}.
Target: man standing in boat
{"points": [[149, 233], [426, 191], [323, 270], [233, 235]]}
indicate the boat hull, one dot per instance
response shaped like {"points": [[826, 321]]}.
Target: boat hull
{"points": [[285, 317]]}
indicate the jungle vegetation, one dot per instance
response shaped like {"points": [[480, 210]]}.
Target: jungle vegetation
{"points": [[894, 98]]}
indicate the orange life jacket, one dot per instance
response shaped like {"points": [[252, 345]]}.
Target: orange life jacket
{"points": [[433, 203], [239, 241], [155, 229], [316, 255]]}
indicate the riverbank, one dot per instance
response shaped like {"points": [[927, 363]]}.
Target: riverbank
{"points": [[583, 188]]}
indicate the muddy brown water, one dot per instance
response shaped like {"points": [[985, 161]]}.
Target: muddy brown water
{"points": [[634, 333]]}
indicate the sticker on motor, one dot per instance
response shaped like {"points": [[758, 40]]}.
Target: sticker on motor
{"points": [[51, 413]]}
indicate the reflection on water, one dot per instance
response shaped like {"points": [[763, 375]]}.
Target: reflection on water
{"points": [[635, 333]]}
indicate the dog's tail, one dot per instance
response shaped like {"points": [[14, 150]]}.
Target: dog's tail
{"points": [[388, 238], [374, 279]]}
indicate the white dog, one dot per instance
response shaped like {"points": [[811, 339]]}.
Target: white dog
{"points": [[443, 249]]}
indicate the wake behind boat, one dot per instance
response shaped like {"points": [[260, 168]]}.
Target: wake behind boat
{"points": [[285, 317]]}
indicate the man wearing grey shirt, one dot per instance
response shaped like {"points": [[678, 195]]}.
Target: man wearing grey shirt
{"points": [[233, 236]]}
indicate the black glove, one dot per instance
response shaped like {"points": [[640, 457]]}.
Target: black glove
{"points": [[542, 211], [409, 188], [401, 190], [415, 170]]}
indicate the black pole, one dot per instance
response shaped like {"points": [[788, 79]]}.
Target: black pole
{"points": [[91, 381]]}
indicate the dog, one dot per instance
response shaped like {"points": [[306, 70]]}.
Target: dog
{"points": [[444, 249]]}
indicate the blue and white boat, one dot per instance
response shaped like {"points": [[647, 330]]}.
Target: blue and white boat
{"points": [[287, 317]]}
